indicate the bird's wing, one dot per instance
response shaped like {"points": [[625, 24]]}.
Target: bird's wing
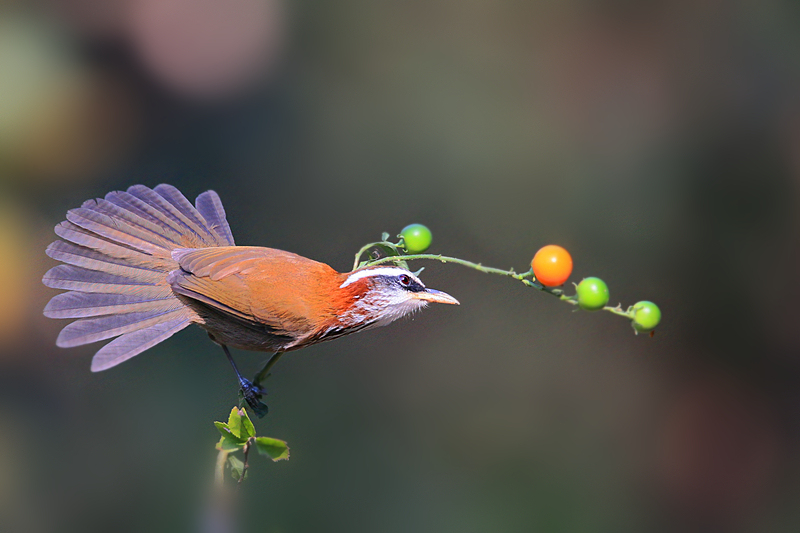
{"points": [[279, 289]]}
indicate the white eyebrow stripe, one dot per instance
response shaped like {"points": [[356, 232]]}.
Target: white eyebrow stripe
{"points": [[378, 271]]}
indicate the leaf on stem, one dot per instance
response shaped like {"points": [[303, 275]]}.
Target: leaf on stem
{"points": [[237, 466], [240, 424], [388, 249], [235, 432], [248, 430], [276, 449], [229, 443]]}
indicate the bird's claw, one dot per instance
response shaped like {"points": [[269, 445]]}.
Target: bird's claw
{"points": [[251, 393]]}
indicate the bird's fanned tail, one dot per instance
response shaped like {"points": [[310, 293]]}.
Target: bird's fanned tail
{"points": [[117, 252]]}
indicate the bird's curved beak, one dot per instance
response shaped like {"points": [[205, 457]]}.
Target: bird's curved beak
{"points": [[432, 295]]}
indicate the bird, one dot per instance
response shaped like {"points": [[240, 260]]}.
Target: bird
{"points": [[143, 264]]}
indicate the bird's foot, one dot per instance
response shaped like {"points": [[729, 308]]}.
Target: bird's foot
{"points": [[251, 393]]}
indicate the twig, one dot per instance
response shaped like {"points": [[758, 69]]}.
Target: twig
{"points": [[245, 451]]}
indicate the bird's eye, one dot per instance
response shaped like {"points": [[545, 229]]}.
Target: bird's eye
{"points": [[405, 280]]}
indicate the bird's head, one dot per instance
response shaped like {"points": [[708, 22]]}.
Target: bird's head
{"points": [[383, 294]]}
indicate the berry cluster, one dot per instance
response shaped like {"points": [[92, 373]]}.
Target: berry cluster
{"points": [[552, 266]]}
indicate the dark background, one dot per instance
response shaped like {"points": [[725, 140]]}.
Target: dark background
{"points": [[658, 141]]}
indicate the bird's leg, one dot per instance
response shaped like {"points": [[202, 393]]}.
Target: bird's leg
{"points": [[264, 372], [251, 392]]}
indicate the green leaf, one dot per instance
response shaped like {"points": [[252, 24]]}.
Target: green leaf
{"points": [[385, 236], [235, 423], [229, 443], [248, 430], [388, 249], [276, 449], [223, 428], [240, 424], [237, 466]]}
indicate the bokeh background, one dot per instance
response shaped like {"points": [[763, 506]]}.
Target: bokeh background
{"points": [[658, 141]]}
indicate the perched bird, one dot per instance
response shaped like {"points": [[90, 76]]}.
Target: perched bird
{"points": [[143, 264]]}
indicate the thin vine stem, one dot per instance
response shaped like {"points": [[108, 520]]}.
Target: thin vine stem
{"points": [[245, 464], [527, 278], [445, 259], [362, 251]]}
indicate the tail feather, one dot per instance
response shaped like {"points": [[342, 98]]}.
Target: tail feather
{"points": [[152, 209], [128, 202], [75, 304], [158, 201], [117, 255], [102, 205], [179, 201], [210, 206], [77, 235], [118, 231], [98, 329], [92, 260], [131, 344], [74, 278]]}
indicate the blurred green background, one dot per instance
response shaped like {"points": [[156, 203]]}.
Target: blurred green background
{"points": [[658, 141]]}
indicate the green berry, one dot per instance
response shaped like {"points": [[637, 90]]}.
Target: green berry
{"points": [[417, 238], [592, 294], [646, 316]]}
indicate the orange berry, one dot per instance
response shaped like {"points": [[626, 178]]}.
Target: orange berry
{"points": [[552, 265]]}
